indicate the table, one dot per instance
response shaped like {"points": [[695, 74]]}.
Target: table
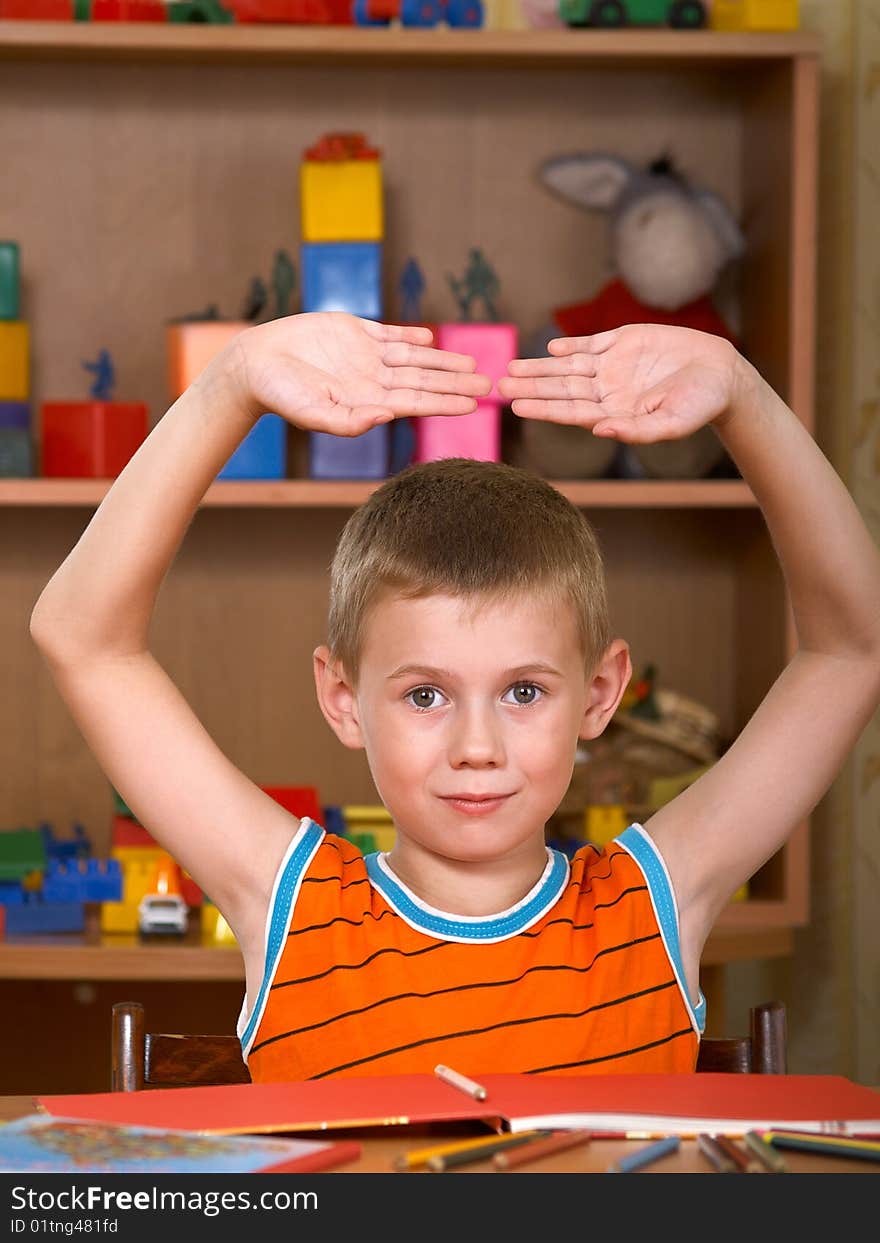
{"points": [[380, 1149]]}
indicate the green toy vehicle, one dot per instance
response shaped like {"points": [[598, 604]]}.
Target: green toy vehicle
{"points": [[682, 14]]}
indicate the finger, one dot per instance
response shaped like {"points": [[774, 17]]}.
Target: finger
{"points": [[642, 429], [408, 354], [572, 387], [345, 420], [598, 343], [576, 363], [418, 401], [577, 413], [467, 384], [414, 334]]}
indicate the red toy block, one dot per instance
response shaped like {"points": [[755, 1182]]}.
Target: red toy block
{"points": [[37, 10], [298, 800], [127, 832], [128, 11], [293, 12], [91, 439]]}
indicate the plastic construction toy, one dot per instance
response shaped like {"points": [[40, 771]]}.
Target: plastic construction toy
{"points": [[755, 15], [64, 849], [479, 284], [83, 880], [22, 851], [681, 14], [419, 13]]}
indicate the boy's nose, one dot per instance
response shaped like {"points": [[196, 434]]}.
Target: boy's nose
{"points": [[476, 738]]}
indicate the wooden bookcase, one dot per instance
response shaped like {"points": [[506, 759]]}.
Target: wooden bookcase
{"points": [[149, 171]]}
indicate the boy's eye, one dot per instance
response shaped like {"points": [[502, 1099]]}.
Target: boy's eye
{"points": [[525, 693], [422, 697]]}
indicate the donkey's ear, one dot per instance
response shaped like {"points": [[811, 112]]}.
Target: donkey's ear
{"points": [[722, 220], [589, 180]]}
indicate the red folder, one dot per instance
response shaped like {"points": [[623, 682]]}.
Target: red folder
{"points": [[673, 1104]]}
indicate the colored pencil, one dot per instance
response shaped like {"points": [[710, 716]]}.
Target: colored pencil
{"points": [[456, 1080], [830, 1145], [715, 1154], [633, 1161], [421, 1156], [765, 1153], [743, 1160], [540, 1148], [452, 1159]]}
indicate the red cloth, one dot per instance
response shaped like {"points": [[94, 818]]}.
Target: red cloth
{"points": [[614, 305]]}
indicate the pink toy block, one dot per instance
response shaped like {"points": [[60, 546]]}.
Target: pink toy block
{"points": [[492, 345], [476, 435]]}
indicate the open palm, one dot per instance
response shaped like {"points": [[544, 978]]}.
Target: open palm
{"points": [[333, 372], [639, 383]]}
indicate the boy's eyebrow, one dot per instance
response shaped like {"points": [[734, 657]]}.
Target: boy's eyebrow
{"points": [[428, 671]]}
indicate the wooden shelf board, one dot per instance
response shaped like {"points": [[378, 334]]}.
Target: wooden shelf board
{"points": [[481, 48], [319, 493], [96, 957]]}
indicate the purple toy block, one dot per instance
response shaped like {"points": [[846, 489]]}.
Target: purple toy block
{"points": [[476, 435], [492, 345], [349, 457], [35, 915]]}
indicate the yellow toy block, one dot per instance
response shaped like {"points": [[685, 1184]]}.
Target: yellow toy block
{"points": [[138, 865], [192, 345], [341, 201], [372, 819], [15, 360], [603, 822], [215, 930], [754, 15]]}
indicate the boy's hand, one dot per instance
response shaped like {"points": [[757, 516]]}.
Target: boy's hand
{"points": [[639, 383], [332, 372]]}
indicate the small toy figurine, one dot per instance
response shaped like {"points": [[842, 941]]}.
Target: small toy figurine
{"points": [[255, 301], [105, 378], [412, 286], [479, 281], [283, 282]]}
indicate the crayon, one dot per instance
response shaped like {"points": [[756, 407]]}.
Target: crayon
{"points": [[451, 1159], [827, 1145], [456, 1080], [421, 1156], [715, 1154], [765, 1153], [540, 1148], [743, 1160]]}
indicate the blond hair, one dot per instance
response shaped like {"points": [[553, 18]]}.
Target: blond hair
{"points": [[481, 531]]}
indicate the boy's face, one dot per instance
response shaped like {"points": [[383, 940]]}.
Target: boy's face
{"points": [[452, 703]]}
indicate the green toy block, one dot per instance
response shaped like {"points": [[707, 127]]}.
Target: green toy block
{"points": [[9, 280], [22, 851]]}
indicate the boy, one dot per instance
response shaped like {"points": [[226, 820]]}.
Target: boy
{"points": [[468, 651]]}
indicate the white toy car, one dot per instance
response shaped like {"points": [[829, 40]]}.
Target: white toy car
{"points": [[162, 914]]}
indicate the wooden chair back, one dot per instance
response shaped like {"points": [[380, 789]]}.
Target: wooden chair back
{"points": [[143, 1059]]}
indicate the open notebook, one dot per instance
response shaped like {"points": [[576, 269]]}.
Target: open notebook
{"points": [[673, 1104]]}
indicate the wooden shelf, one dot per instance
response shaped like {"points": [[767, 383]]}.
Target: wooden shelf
{"points": [[317, 44], [93, 957], [318, 493]]}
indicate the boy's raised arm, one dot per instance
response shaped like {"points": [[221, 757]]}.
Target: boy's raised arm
{"points": [[644, 383], [327, 372]]}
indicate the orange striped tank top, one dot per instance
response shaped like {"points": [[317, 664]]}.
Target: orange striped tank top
{"points": [[583, 975]]}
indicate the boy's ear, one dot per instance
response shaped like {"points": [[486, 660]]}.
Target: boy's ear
{"points": [[337, 699], [605, 689]]}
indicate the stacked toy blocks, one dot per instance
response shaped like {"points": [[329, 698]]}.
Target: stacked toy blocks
{"points": [[191, 344], [16, 457], [137, 855], [342, 226], [45, 881], [476, 435]]}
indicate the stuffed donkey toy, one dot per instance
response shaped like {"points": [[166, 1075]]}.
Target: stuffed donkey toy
{"points": [[670, 241]]}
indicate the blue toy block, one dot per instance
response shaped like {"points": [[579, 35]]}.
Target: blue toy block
{"points": [[349, 457], [334, 820], [85, 880], [35, 915], [11, 893], [263, 452], [77, 847], [342, 276]]}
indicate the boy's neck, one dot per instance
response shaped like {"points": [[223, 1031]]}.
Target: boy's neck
{"points": [[468, 888]]}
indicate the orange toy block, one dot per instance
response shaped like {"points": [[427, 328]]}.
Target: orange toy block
{"points": [[192, 345]]}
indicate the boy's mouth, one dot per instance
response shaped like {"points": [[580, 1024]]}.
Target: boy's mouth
{"points": [[476, 804]]}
